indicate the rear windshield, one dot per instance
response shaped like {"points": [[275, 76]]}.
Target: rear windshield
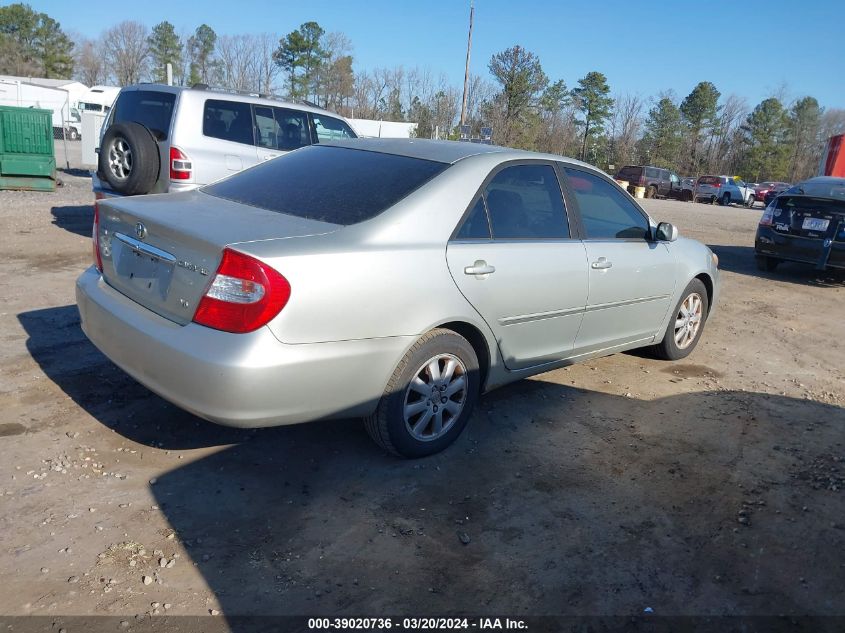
{"points": [[629, 172], [331, 184], [150, 108], [709, 180], [824, 189]]}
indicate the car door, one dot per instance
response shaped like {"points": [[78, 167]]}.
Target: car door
{"points": [[516, 261], [280, 130], [631, 277], [228, 145]]}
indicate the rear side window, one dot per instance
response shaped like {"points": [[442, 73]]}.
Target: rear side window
{"points": [[329, 129], [606, 212], [330, 184], [227, 120], [476, 226], [525, 201], [651, 172], [150, 108]]}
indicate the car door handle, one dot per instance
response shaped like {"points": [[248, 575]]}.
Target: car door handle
{"points": [[480, 267], [601, 263]]}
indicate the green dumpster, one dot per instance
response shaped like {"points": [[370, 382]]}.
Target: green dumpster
{"points": [[27, 159]]}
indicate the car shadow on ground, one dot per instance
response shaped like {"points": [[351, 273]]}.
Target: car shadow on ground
{"points": [[76, 171], [555, 500], [77, 219], [740, 259]]}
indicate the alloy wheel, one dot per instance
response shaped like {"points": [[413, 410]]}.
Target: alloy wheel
{"points": [[435, 397], [688, 320], [120, 158]]}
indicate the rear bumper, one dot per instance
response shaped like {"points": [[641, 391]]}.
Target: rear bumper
{"points": [[244, 380], [101, 189], [799, 249]]}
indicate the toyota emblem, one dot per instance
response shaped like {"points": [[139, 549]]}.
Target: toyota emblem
{"points": [[140, 231]]}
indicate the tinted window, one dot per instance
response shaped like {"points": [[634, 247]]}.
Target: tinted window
{"points": [[708, 180], [525, 201], [651, 172], [149, 108], [629, 173], [664, 175], [278, 128], [331, 184], [476, 226], [328, 128], [606, 212], [227, 120], [832, 188]]}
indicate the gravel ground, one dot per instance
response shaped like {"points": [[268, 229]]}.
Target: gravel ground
{"points": [[708, 486]]}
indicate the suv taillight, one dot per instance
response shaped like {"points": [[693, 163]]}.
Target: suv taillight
{"points": [[95, 239], [180, 165], [244, 295]]}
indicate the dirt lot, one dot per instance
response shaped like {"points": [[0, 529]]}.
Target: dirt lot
{"points": [[709, 486]]}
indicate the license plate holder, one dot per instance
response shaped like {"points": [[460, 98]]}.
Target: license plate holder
{"points": [[815, 224]]}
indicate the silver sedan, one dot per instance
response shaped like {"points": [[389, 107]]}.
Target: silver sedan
{"points": [[393, 280]]}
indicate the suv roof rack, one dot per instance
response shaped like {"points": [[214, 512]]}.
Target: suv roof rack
{"points": [[252, 93]]}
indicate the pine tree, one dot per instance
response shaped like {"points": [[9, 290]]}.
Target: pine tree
{"points": [[593, 101], [165, 48]]}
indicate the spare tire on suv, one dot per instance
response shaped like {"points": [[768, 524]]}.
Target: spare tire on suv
{"points": [[129, 158]]}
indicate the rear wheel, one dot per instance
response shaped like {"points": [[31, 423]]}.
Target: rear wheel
{"points": [[726, 200], [651, 192], [429, 397], [685, 328], [765, 263]]}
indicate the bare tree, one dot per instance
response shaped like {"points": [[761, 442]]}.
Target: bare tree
{"points": [[237, 57], [727, 143], [126, 51], [266, 69], [89, 66], [335, 79], [624, 128]]}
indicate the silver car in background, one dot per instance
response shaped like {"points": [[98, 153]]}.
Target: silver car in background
{"points": [[394, 280]]}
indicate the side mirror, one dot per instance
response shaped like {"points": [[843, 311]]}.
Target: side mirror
{"points": [[666, 232]]}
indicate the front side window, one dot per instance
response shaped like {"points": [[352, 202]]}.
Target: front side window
{"points": [[150, 108], [606, 212], [330, 129], [524, 201], [228, 121]]}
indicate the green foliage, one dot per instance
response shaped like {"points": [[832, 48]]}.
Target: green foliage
{"points": [[592, 99], [767, 130], [522, 81], [165, 48], [661, 141], [33, 43], [700, 113], [804, 125], [201, 49], [555, 97], [302, 50]]}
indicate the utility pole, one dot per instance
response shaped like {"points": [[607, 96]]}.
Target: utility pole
{"points": [[466, 68]]}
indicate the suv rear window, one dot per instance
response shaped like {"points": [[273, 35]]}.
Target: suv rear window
{"points": [[150, 108], [330, 184], [629, 172], [709, 180]]}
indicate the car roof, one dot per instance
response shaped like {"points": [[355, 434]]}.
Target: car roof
{"points": [[243, 97], [442, 151]]}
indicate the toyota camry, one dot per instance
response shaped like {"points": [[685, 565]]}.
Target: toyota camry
{"points": [[390, 280]]}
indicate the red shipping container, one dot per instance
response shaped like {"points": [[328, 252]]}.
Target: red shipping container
{"points": [[833, 159]]}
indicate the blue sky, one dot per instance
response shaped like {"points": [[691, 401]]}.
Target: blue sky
{"points": [[753, 48]]}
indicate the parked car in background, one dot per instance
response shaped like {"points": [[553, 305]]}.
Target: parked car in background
{"points": [[805, 223], [161, 138], [723, 189], [774, 191], [394, 280], [658, 182], [763, 188]]}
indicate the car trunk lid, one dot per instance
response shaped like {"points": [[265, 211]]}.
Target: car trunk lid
{"points": [[162, 251], [810, 217]]}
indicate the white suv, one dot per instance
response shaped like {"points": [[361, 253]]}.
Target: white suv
{"points": [[724, 190], [161, 139]]}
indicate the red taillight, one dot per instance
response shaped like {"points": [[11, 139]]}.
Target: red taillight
{"points": [[244, 295], [718, 185], [768, 216], [95, 239], [180, 165]]}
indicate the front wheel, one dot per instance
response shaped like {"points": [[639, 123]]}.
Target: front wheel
{"points": [[750, 203], [429, 398], [686, 325]]}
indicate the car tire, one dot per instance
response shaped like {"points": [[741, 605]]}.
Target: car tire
{"points": [[750, 203], [765, 263], [73, 135], [713, 199], [693, 301], [651, 192], [725, 200], [404, 413], [129, 158]]}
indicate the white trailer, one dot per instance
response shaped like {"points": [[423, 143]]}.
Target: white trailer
{"points": [[57, 95]]}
